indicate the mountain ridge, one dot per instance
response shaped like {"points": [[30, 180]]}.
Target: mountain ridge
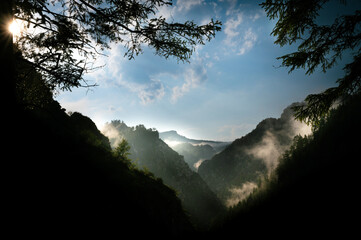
{"points": [[173, 135], [194, 151], [314, 189], [150, 152], [247, 159], [69, 179]]}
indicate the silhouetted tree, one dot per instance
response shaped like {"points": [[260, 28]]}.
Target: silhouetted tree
{"points": [[122, 151], [318, 46], [69, 34]]}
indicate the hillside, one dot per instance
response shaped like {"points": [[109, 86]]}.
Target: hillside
{"points": [[250, 158], [61, 178], [314, 190], [150, 152]]}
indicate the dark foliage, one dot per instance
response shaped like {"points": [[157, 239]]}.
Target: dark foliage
{"points": [[319, 45], [152, 154], [71, 34], [235, 166], [62, 178], [314, 189]]}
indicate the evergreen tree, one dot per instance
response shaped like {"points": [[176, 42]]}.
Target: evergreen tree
{"points": [[122, 151], [318, 46]]}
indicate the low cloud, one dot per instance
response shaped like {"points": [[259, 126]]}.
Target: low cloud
{"points": [[113, 134], [270, 148], [198, 163], [300, 128], [239, 194], [171, 143]]}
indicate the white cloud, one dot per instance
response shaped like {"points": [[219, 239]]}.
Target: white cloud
{"points": [[186, 5], [112, 75], [248, 42], [235, 38], [232, 7], [112, 63], [180, 7], [193, 77], [147, 92], [165, 11], [258, 14], [255, 16], [239, 35], [151, 92], [231, 29]]}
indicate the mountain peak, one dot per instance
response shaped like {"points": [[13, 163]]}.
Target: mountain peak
{"points": [[171, 132], [173, 136]]}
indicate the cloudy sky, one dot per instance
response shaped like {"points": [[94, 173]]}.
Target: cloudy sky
{"points": [[229, 86]]}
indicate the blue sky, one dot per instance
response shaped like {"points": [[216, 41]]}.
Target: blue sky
{"points": [[229, 86]]}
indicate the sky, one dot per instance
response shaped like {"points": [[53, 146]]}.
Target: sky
{"points": [[230, 85]]}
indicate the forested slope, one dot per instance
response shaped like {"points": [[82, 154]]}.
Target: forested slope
{"points": [[314, 190], [150, 152], [61, 177], [251, 157]]}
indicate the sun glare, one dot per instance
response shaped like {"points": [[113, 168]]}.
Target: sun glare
{"points": [[15, 28]]}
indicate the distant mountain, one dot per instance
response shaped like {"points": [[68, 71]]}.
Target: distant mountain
{"points": [[233, 172], [150, 152], [194, 151], [173, 138], [194, 155]]}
